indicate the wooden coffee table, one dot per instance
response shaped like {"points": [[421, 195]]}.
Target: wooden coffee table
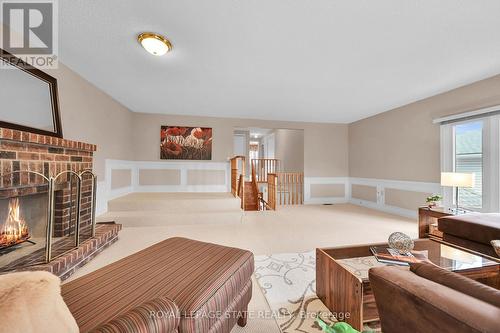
{"points": [[346, 290]]}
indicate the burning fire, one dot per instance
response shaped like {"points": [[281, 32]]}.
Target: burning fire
{"points": [[14, 230]]}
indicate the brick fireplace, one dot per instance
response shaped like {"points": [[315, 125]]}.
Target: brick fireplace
{"points": [[48, 156], [24, 158]]}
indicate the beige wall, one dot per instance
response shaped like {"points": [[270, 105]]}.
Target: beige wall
{"points": [[325, 145], [90, 115], [401, 144], [404, 144], [289, 149]]}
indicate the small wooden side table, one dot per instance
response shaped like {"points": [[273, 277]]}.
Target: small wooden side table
{"points": [[427, 217]]}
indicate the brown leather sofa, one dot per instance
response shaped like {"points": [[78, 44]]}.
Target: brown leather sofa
{"points": [[427, 298], [473, 231], [176, 286]]}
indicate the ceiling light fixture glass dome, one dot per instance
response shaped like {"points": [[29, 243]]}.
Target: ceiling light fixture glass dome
{"points": [[154, 43]]}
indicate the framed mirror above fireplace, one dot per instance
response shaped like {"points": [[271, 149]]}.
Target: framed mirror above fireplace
{"points": [[28, 98]]}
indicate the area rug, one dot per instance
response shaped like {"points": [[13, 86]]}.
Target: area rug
{"points": [[288, 281]]}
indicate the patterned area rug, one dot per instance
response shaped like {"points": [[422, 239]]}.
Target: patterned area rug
{"points": [[288, 282]]}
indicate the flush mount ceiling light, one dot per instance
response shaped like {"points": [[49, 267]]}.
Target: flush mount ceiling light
{"points": [[155, 44]]}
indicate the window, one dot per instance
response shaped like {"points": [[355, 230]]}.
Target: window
{"points": [[468, 158], [472, 146]]}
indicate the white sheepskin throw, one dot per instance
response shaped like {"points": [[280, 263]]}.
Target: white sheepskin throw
{"points": [[32, 302]]}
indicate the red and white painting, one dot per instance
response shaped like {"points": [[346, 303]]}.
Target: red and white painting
{"points": [[185, 143]]}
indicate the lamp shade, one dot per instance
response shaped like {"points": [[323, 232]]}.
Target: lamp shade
{"points": [[457, 179]]}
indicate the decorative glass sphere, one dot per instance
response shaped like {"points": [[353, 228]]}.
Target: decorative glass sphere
{"points": [[401, 242]]}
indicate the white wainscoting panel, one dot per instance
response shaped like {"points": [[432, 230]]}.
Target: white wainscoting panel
{"points": [[382, 184], [184, 167], [308, 181], [106, 193]]}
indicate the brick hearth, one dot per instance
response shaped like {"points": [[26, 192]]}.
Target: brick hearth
{"points": [[72, 258]]}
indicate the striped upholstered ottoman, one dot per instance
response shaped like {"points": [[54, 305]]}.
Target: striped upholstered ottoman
{"points": [[178, 285]]}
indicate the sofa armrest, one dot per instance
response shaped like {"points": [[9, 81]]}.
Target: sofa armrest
{"points": [[160, 315], [457, 282], [423, 306]]}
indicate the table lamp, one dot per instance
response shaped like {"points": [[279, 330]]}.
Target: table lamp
{"points": [[457, 180]]}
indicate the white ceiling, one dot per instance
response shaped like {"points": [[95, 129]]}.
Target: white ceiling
{"points": [[301, 60]]}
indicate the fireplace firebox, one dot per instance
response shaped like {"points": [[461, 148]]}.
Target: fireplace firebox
{"points": [[32, 219], [14, 230]]}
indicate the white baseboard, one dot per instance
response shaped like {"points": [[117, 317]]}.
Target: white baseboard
{"points": [[325, 201]]}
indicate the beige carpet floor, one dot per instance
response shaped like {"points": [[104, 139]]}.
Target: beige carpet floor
{"points": [[290, 229]]}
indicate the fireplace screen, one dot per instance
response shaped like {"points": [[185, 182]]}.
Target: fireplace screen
{"points": [[40, 222]]}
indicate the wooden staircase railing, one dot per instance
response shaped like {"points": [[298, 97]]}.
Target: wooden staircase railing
{"points": [[241, 181], [272, 185], [238, 178], [263, 167], [291, 188], [254, 179], [261, 203], [285, 188]]}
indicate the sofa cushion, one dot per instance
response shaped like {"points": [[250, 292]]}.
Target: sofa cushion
{"points": [[201, 278], [457, 282], [477, 227]]}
